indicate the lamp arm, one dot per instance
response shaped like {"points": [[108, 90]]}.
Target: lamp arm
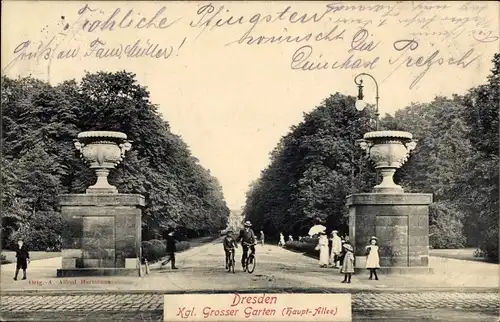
{"points": [[360, 82], [360, 96]]}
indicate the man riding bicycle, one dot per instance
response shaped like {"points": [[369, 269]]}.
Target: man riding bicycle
{"points": [[229, 246], [247, 238]]}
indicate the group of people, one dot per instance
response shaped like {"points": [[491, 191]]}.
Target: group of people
{"points": [[342, 255], [282, 240]]}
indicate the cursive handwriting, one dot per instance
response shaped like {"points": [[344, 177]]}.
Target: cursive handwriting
{"points": [[335, 33], [128, 20], [210, 16], [427, 61], [137, 49], [301, 60], [25, 52], [360, 42], [97, 48], [355, 35]]}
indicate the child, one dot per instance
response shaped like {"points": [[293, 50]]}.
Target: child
{"points": [[372, 258], [348, 262], [229, 244], [23, 258]]}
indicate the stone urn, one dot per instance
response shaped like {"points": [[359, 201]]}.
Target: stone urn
{"points": [[102, 151], [388, 150]]}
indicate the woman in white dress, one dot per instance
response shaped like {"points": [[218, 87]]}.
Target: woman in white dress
{"points": [[323, 249], [372, 258], [282, 240]]}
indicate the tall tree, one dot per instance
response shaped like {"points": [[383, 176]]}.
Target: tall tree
{"points": [[39, 161], [479, 189], [313, 168]]}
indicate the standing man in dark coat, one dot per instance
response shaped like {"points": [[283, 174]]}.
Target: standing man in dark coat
{"points": [[171, 249], [23, 258]]}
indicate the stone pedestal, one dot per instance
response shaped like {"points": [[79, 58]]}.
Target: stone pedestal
{"points": [[101, 234], [400, 221]]}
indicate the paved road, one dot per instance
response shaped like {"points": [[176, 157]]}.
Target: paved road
{"points": [[153, 302], [201, 269], [146, 307]]}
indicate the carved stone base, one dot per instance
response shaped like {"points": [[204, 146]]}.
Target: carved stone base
{"points": [[100, 232], [401, 224], [388, 190], [97, 272], [93, 190]]}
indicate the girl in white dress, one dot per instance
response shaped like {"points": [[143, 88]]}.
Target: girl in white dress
{"points": [[372, 258]]}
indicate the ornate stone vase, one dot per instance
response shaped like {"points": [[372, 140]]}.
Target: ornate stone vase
{"points": [[102, 151], [388, 150]]}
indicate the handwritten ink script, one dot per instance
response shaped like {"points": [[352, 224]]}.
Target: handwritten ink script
{"points": [[269, 307], [393, 36]]}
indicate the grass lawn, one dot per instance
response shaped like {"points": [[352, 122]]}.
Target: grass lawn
{"points": [[11, 255], [462, 253]]}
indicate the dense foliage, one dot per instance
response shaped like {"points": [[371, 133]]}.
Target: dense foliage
{"points": [[306, 247], [39, 160], [312, 170], [456, 160], [478, 188], [154, 250]]}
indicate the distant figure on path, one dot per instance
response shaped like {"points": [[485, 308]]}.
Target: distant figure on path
{"points": [[323, 249], [348, 263], [23, 258], [372, 258], [229, 244], [262, 238], [282, 240], [171, 249], [336, 249], [247, 238], [290, 238]]}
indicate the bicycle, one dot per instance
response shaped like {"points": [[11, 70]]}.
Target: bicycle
{"points": [[231, 262], [250, 262]]}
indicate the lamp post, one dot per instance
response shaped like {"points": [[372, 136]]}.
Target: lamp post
{"points": [[360, 104]]}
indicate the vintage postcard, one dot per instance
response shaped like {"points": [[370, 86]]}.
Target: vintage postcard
{"points": [[250, 161]]}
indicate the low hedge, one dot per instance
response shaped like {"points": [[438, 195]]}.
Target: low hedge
{"points": [[4, 260], [303, 246], [310, 240], [154, 250]]}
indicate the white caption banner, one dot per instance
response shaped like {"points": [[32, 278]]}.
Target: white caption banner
{"points": [[257, 307]]}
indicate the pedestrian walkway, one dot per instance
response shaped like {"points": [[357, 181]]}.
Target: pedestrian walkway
{"points": [[202, 269]]}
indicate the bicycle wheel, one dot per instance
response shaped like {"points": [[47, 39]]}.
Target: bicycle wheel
{"points": [[251, 264]]}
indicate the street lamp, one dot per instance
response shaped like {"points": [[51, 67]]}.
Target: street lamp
{"points": [[360, 104]]}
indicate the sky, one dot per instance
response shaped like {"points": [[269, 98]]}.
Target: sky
{"points": [[230, 82]]}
